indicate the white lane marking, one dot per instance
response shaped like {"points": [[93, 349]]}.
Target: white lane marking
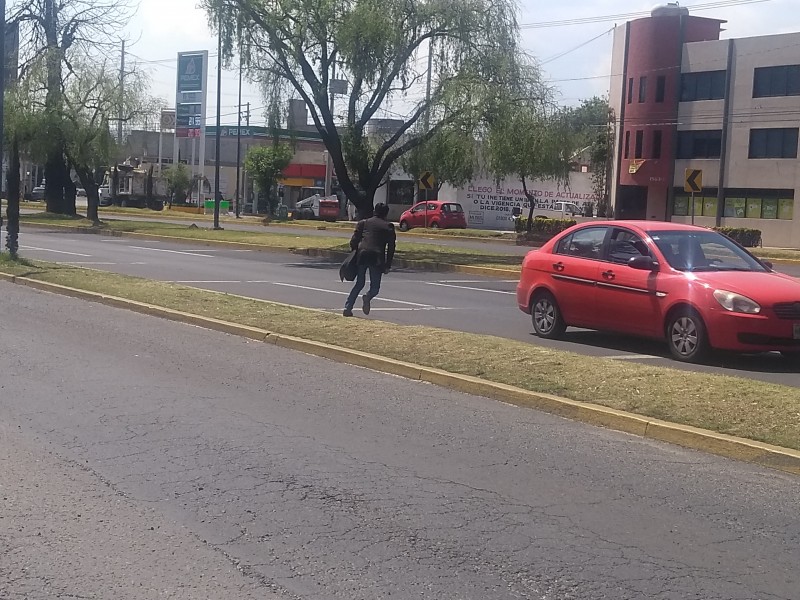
{"points": [[56, 251], [138, 263], [205, 281], [313, 289], [478, 281], [172, 251], [398, 309], [474, 289], [631, 357], [85, 262]]}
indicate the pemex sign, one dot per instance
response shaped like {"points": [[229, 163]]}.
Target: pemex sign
{"points": [[191, 88]]}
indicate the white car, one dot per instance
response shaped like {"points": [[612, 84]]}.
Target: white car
{"points": [[568, 208]]}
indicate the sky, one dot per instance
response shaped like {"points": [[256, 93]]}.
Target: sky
{"points": [[575, 58]]}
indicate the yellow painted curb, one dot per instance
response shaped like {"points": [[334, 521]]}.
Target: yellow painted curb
{"points": [[766, 455]]}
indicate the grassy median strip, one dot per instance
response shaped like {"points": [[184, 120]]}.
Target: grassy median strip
{"points": [[426, 253], [751, 409]]}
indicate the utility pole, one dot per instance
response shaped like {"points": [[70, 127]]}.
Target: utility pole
{"points": [[427, 120], [2, 97], [239, 131], [247, 115], [121, 94], [218, 141]]}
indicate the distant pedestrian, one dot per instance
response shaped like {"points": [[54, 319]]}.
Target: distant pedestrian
{"points": [[374, 240]]}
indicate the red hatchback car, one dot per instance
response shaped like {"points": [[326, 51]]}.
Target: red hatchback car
{"points": [[434, 214], [690, 286]]}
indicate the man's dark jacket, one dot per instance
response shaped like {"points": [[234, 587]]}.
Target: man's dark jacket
{"points": [[375, 240]]}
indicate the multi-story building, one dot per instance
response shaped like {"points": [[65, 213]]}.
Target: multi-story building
{"points": [[684, 99]]}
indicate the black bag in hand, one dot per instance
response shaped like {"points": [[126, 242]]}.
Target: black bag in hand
{"points": [[349, 268]]}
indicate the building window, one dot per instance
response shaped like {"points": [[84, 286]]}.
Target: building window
{"points": [[657, 134], [700, 144], [642, 89], [630, 90], [708, 85], [661, 88], [773, 143], [627, 144], [776, 81], [639, 144]]}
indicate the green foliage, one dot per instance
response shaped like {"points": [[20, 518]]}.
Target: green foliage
{"points": [[527, 137], [179, 181], [377, 47], [601, 162], [584, 122], [749, 238], [541, 225], [265, 165], [451, 155]]}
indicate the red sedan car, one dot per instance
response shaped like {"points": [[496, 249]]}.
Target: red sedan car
{"points": [[434, 214], [690, 286]]}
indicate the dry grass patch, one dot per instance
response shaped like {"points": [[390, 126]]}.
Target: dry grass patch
{"points": [[742, 407]]}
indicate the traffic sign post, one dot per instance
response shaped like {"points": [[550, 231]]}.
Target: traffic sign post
{"points": [[693, 182]]}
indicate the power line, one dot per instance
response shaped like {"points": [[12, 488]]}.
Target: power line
{"points": [[633, 15], [578, 47]]}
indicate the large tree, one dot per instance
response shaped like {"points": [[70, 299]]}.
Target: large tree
{"points": [[265, 165], [58, 31], [451, 156], [528, 137], [379, 48]]}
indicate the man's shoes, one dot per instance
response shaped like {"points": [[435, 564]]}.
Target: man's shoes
{"points": [[365, 306], [347, 312]]}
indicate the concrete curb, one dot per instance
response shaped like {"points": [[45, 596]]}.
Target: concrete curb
{"points": [[765, 455]]}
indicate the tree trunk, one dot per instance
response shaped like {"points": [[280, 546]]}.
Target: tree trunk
{"points": [[532, 205], [86, 177], [54, 182], [12, 211]]}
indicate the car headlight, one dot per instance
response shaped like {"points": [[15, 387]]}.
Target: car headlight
{"points": [[737, 303]]}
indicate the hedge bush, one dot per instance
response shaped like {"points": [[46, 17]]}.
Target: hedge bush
{"points": [[543, 225], [749, 238]]}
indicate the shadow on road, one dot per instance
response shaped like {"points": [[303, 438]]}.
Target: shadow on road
{"points": [[765, 362]]}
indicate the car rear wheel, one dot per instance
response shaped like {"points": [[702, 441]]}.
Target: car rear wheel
{"points": [[403, 226], [686, 336], [434, 225], [546, 316]]}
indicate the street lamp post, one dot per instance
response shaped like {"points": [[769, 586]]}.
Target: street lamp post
{"points": [[218, 142], [2, 95]]}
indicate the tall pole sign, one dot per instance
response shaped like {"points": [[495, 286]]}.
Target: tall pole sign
{"points": [[190, 103]]}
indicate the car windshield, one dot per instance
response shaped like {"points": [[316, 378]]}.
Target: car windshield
{"points": [[696, 251]]}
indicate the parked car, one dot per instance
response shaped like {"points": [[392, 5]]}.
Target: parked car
{"points": [[37, 193], [692, 287], [434, 214], [568, 208]]}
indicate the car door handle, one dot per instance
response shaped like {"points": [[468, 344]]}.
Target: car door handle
{"points": [[559, 266], [608, 274]]}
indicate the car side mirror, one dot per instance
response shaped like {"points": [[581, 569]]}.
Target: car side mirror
{"points": [[768, 264], [643, 263]]}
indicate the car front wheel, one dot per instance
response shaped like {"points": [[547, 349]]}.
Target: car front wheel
{"points": [[687, 337], [546, 316], [403, 226]]}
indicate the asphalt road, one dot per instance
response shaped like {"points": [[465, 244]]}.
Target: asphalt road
{"points": [[335, 232], [347, 485], [452, 301]]}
